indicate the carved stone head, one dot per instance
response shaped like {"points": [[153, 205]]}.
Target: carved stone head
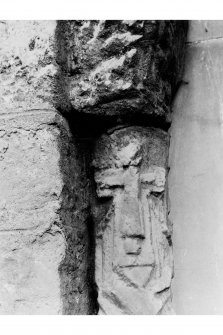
{"points": [[132, 233]]}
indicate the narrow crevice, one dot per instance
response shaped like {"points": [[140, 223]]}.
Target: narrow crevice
{"points": [[88, 127]]}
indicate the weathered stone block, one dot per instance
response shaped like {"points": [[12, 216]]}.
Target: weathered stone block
{"points": [[133, 239], [122, 67], [43, 218], [29, 74]]}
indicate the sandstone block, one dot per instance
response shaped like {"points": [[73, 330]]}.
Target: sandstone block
{"points": [[29, 72], [123, 67], [43, 217]]}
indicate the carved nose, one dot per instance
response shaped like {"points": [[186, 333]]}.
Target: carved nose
{"points": [[133, 225]]}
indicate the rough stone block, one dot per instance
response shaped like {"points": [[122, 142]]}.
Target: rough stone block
{"points": [[122, 67], [29, 73], [43, 217]]}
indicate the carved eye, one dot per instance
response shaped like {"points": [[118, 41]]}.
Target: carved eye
{"points": [[157, 194], [114, 187]]}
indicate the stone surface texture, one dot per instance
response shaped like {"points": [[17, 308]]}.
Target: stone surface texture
{"points": [[29, 73], [123, 67], [196, 175], [134, 264], [44, 191], [43, 236], [63, 85], [202, 30]]}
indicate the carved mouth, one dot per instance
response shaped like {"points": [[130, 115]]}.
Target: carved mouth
{"points": [[133, 261], [136, 265], [133, 245], [136, 252]]}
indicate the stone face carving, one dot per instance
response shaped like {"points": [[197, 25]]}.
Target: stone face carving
{"points": [[133, 243]]}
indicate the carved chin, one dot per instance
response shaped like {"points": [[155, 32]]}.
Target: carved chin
{"points": [[138, 275]]}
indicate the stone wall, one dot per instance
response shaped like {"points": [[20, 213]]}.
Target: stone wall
{"points": [[43, 229], [44, 198], [64, 85], [196, 179]]}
